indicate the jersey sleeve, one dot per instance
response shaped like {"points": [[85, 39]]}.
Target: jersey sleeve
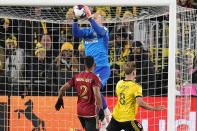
{"points": [[138, 92], [71, 82], [99, 30], [96, 81], [76, 32], [80, 32]]}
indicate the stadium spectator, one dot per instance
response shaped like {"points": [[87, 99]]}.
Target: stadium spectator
{"points": [[120, 49], [7, 27], [89, 104], [145, 69], [126, 25], [184, 3], [129, 96], [105, 11], [187, 73], [64, 67], [31, 32], [95, 40], [2, 70], [14, 67], [66, 31], [113, 79], [51, 52], [39, 72], [66, 59], [81, 50]]}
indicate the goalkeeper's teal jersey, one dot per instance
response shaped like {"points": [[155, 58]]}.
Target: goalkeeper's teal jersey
{"points": [[95, 42]]}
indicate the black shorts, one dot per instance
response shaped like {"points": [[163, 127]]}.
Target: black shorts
{"points": [[127, 126], [89, 124]]}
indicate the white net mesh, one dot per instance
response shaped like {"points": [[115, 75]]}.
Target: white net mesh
{"points": [[36, 75]]}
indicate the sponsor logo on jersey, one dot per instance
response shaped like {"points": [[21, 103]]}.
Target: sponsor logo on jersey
{"points": [[91, 41]]}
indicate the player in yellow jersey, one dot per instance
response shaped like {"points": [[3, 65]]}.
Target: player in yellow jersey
{"points": [[129, 96]]}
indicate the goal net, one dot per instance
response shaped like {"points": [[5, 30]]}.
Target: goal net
{"points": [[39, 54]]}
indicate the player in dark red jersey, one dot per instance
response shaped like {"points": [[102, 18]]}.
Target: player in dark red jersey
{"points": [[89, 101]]}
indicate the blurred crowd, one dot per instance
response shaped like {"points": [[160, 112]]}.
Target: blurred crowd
{"points": [[37, 57]]}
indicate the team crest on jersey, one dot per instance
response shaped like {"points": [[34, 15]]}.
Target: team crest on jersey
{"points": [[94, 33], [139, 125]]}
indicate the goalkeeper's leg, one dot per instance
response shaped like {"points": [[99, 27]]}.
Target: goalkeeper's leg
{"points": [[107, 113], [106, 110], [104, 73]]}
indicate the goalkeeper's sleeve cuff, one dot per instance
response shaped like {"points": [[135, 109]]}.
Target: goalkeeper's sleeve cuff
{"points": [[89, 18], [75, 20]]}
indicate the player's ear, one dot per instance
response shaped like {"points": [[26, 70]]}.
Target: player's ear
{"points": [[133, 73], [94, 64]]}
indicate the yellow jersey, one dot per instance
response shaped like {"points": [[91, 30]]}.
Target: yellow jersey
{"points": [[126, 107]]}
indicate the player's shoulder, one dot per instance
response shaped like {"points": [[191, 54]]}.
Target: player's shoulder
{"points": [[137, 84], [89, 74], [128, 82], [96, 76]]}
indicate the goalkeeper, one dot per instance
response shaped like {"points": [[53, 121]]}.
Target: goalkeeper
{"points": [[87, 85], [95, 39]]}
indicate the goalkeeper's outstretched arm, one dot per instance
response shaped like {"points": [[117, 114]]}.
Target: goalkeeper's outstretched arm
{"points": [[99, 30], [76, 32]]}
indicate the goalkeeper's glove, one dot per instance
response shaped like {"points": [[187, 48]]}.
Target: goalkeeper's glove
{"points": [[101, 115], [87, 10], [59, 103]]}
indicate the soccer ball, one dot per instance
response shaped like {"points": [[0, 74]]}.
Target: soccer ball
{"points": [[79, 11]]}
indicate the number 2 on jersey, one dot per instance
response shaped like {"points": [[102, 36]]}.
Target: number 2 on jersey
{"points": [[83, 94]]}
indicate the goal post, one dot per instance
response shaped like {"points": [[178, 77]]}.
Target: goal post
{"points": [[171, 66], [172, 34]]}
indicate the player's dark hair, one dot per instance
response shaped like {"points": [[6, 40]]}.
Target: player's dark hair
{"points": [[129, 67], [89, 61]]}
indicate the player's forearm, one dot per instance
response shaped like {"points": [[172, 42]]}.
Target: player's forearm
{"points": [[146, 106], [61, 92], [76, 32], [99, 100], [100, 31], [63, 89]]}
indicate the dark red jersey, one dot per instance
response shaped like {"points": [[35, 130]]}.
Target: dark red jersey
{"points": [[84, 83]]}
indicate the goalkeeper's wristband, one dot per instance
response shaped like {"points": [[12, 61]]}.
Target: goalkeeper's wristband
{"points": [[75, 20], [89, 18]]}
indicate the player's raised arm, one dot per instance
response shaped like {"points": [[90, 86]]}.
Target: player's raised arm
{"points": [[99, 30], [95, 21], [146, 106], [76, 32]]}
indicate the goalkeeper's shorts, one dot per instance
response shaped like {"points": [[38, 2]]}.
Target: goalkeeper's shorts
{"points": [[103, 72]]}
